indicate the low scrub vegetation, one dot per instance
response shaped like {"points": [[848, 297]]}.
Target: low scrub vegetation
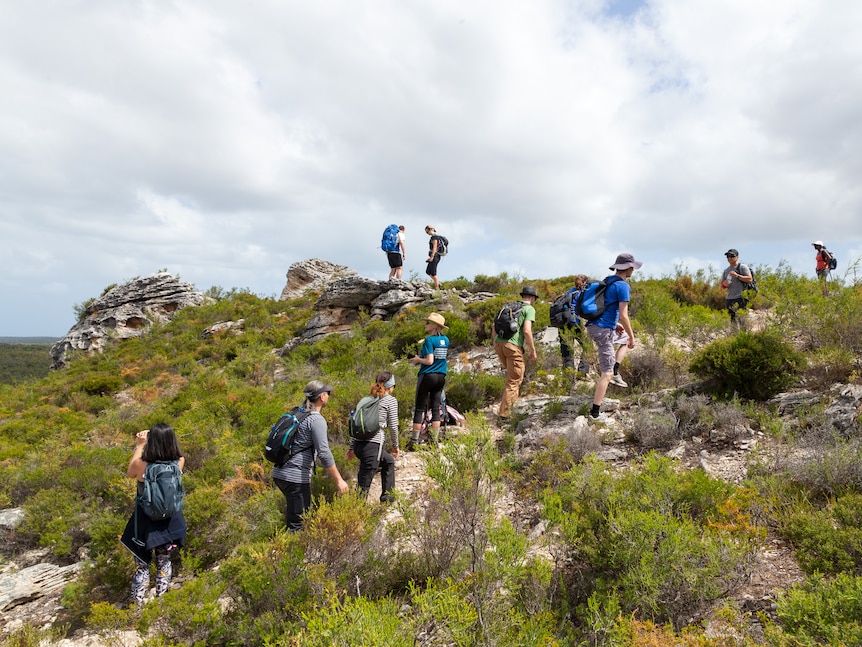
{"points": [[646, 555]]}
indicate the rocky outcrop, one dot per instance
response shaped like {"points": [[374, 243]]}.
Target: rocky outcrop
{"points": [[312, 274], [126, 311], [339, 306]]}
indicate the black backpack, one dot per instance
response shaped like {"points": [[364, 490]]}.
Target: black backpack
{"points": [[590, 302], [752, 284], [562, 309], [280, 443], [364, 421], [163, 493], [507, 321], [829, 258], [442, 245]]}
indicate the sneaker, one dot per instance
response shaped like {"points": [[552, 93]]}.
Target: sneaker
{"points": [[599, 419], [619, 381]]}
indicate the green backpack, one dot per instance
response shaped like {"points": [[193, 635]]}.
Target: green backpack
{"points": [[364, 422]]}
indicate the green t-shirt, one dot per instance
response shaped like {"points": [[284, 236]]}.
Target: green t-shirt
{"points": [[528, 313]]}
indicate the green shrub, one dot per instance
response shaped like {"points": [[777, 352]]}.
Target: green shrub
{"points": [[827, 541], [473, 391], [663, 543], [755, 366], [823, 611]]}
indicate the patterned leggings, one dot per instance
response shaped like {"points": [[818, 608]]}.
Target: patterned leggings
{"points": [[141, 578]]}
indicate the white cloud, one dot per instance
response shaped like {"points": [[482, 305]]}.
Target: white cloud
{"points": [[226, 141]]}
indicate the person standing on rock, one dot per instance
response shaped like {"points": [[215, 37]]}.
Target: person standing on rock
{"points": [[372, 456], [144, 536], [436, 247], [433, 363], [614, 320], [294, 477]]}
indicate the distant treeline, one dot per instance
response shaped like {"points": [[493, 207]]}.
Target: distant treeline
{"points": [[19, 362]]}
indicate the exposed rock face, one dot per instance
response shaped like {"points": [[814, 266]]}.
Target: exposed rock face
{"points": [[126, 311], [312, 274], [340, 304]]}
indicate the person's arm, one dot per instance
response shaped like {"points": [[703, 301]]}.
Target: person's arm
{"points": [[389, 419], [745, 278], [626, 323], [136, 465], [402, 246], [433, 249], [427, 360], [321, 445], [528, 339]]}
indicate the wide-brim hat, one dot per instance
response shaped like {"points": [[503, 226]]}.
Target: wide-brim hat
{"points": [[529, 291], [624, 262], [437, 318]]}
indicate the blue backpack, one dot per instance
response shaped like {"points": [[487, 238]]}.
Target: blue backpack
{"points": [[389, 242], [163, 492], [590, 304]]}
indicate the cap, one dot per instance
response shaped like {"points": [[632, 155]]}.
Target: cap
{"points": [[316, 393], [438, 319], [529, 291], [624, 262], [818, 243], [731, 252]]}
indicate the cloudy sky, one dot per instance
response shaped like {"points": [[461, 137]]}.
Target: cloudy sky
{"points": [[225, 140]]}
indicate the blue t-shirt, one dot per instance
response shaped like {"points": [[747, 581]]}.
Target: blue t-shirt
{"points": [[438, 346], [616, 293]]}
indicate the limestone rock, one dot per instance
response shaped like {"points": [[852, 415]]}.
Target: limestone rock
{"points": [[126, 311], [312, 274], [33, 582], [845, 409]]}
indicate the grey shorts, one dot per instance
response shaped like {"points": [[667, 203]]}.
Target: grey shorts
{"points": [[604, 338]]}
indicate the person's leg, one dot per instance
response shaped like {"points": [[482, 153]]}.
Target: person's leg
{"points": [[513, 358], [387, 476], [603, 337], [140, 583], [420, 406], [565, 350], [431, 270], [297, 498], [368, 455], [436, 398], [164, 570]]}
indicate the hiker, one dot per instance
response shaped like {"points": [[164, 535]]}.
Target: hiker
{"points": [[615, 319], [735, 279], [432, 359], [434, 249], [396, 258], [294, 477], [372, 457], [574, 325], [144, 536], [510, 350], [822, 267]]}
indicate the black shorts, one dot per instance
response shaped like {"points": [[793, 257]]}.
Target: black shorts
{"points": [[394, 259], [431, 268]]}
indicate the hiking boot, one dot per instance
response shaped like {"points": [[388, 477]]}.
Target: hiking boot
{"points": [[410, 446], [619, 381], [599, 419]]}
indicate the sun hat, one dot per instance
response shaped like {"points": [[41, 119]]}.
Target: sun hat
{"points": [[529, 291], [438, 319], [731, 252], [818, 243], [624, 262]]}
